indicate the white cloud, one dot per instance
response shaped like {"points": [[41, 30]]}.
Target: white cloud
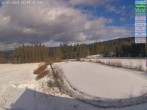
{"points": [[11, 46], [54, 21], [122, 19], [116, 10], [89, 2], [4, 20], [81, 2]]}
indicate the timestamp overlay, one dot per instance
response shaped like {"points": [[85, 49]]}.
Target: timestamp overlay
{"points": [[140, 21]]}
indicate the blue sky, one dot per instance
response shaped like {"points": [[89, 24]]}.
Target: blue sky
{"points": [[65, 21], [119, 9], [0, 3]]}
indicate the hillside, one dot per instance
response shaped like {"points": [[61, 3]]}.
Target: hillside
{"points": [[123, 47]]}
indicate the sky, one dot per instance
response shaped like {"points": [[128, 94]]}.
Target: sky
{"points": [[52, 22]]}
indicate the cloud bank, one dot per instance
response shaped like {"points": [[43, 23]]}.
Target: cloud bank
{"points": [[55, 21]]}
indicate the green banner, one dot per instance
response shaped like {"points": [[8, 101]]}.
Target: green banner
{"points": [[140, 5]]}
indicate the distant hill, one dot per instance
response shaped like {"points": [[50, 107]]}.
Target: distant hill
{"points": [[6, 53], [122, 47]]}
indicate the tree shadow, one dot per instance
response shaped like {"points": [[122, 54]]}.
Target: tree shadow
{"points": [[34, 100]]}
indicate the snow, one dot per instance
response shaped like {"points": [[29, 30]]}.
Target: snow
{"points": [[103, 81], [126, 62], [20, 91]]}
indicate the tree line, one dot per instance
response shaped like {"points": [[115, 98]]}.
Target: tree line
{"points": [[28, 54], [124, 47]]}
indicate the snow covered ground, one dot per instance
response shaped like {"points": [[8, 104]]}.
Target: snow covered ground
{"points": [[105, 82], [126, 62], [19, 90]]}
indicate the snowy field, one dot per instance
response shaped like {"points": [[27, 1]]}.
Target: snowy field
{"points": [[19, 90], [103, 81], [132, 63]]}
